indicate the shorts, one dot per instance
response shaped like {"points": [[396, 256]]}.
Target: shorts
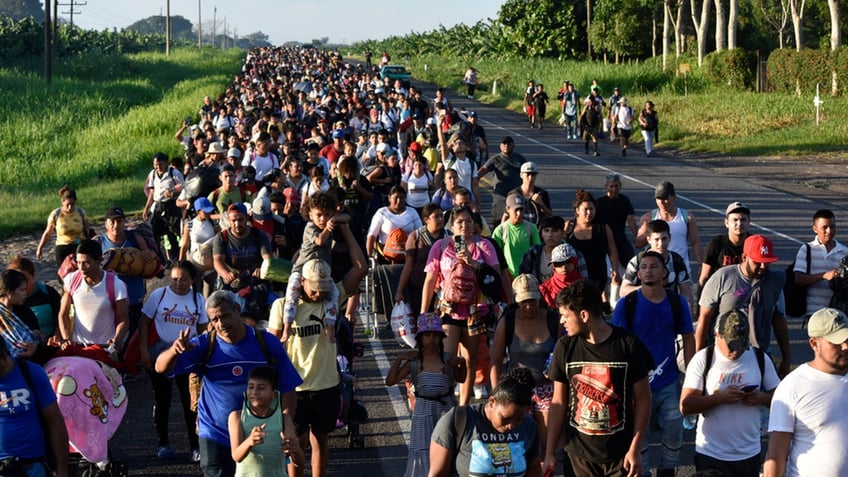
{"points": [[542, 395], [473, 323], [317, 411]]}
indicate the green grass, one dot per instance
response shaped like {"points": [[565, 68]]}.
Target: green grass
{"points": [[96, 127], [707, 119]]}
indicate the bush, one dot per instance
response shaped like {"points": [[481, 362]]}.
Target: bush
{"points": [[800, 71], [735, 68]]}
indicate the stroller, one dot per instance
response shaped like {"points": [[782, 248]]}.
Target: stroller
{"points": [[352, 412], [379, 294], [93, 400]]}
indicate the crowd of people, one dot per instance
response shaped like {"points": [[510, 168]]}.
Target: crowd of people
{"points": [[553, 332]]}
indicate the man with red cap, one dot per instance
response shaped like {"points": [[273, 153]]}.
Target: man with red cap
{"points": [[751, 286]]}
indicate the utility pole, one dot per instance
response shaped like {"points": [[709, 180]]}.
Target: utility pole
{"points": [[167, 27], [71, 11], [224, 39], [214, 24], [48, 57], [199, 28], [55, 26]]}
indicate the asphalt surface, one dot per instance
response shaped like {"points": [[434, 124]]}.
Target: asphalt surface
{"points": [[564, 168]]}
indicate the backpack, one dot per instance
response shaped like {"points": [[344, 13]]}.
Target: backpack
{"points": [[593, 116], [761, 362], [109, 276], [59, 211], [796, 296], [217, 192], [460, 287], [674, 299], [201, 182], [195, 381], [394, 250]]}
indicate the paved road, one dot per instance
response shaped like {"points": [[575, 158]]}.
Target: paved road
{"points": [[564, 168]]}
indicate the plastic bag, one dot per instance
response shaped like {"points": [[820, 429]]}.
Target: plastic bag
{"points": [[404, 324]]}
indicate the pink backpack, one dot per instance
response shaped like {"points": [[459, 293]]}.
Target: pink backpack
{"points": [[460, 286]]}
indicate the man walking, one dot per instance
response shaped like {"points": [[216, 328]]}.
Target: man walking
{"points": [[507, 168], [807, 427], [602, 397], [652, 314], [750, 286], [825, 254]]}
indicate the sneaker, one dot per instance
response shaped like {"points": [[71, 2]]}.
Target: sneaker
{"points": [[596, 154], [456, 390], [195, 456], [164, 452], [480, 391]]}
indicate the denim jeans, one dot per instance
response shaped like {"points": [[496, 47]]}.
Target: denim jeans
{"points": [[216, 460], [667, 422], [648, 136]]}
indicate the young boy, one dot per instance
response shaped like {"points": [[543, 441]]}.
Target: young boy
{"points": [[262, 437], [516, 235], [317, 243], [564, 264]]}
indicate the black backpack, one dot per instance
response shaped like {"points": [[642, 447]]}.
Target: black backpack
{"points": [[201, 181], [795, 296]]}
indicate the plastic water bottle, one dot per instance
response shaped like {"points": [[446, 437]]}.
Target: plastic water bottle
{"points": [[690, 421]]}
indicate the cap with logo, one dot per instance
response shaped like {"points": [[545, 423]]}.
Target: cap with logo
{"points": [[830, 324], [529, 168], [515, 201], [759, 249], [733, 327], [115, 213]]}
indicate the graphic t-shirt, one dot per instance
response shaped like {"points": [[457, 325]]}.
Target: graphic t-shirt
{"points": [[483, 451], [600, 378], [20, 431]]}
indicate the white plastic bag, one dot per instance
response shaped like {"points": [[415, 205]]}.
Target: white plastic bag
{"points": [[404, 324]]}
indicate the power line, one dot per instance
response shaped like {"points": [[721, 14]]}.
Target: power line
{"points": [[71, 11]]}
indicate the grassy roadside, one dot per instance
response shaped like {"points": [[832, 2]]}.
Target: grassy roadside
{"points": [[96, 127], [706, 120]]}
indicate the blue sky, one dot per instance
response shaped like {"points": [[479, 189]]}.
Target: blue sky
{"points": [[297, 20]]}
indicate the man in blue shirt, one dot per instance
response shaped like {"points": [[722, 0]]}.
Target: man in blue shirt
{"points": [[236, 351], [23, 445], [657, 322]]}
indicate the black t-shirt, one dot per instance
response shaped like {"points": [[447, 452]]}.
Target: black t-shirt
{"points": [[720, 252], [600, 379], [614, 212]]}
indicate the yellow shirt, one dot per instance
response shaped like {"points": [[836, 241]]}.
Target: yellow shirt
{"points": [[69, 226]]}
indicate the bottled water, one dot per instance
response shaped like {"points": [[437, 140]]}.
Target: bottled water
{"points": [[690, 421]]}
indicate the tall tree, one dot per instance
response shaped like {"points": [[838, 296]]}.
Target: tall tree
{"points": [[701, 26], [796, 7], [835, 33], [732, 23], [720, 27], [180, 26], [774, 13]]}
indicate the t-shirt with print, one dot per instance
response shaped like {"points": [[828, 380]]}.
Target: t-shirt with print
{"points": [[713, 438], [225, 377], [20, 429], [721, 252], [655, 325], [483, 451], [600, 378], [172, 313]]}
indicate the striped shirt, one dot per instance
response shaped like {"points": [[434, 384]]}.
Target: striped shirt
{"points": [[821, 260]]}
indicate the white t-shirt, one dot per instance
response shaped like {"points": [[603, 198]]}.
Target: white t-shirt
{"points": [[200, 232], [172, 313], [714, 438], [465, 170], [810, 404], [419, 189], [262, 164], [94, 314], [385, 221], [679, 231]]}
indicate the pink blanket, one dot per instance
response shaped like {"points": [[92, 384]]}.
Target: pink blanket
{"points": [[93, 401]]}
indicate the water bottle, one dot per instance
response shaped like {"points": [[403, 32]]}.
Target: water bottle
{"points": [[690, 421]]}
